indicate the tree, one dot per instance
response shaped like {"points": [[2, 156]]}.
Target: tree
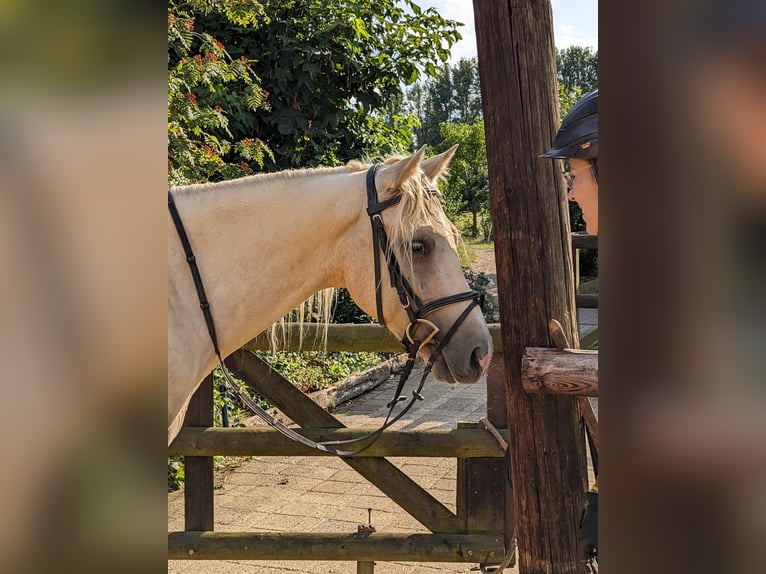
{"points": [[452, 96], [334, 73], [206, 88], [467, 185], [577, 68], [466, 90]]}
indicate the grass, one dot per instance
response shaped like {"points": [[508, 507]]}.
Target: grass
{"points": [[473, 244]]}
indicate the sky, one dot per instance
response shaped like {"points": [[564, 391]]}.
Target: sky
{"points": [[575, 23]]}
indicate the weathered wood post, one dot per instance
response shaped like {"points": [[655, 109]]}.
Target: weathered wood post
{"points": [[198, 488], [534, 271]]}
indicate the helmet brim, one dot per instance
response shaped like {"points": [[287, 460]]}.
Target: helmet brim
{"points": [[555, 153], [583, 149]]}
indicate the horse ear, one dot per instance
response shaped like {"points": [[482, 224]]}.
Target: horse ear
{"points": [[395, 175], [433, 167]]}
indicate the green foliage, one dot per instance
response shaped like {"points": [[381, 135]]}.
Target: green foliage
{"points": [[176, 473], [313, 371], [466, 188], [238, 411], [266, 85], [346, 311], [568, 98], [577, 69], [481, 283], [452, 96], [333, 73], [207, 90]]}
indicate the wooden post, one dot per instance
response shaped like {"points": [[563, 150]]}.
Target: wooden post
{"points": [[560, 371], [497, 414], [198, 484], [480, 489], [534, 271]]}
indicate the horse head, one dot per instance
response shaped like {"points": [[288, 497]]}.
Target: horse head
{"points": [[433, 310]]}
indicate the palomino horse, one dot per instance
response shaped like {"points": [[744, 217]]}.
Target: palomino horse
{"points": [[265, 243]]}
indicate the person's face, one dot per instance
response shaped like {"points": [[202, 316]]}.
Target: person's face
{"points": [[733, 116], [583, 188]]}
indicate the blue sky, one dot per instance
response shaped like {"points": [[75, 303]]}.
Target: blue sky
{"points": [[575, 23]]}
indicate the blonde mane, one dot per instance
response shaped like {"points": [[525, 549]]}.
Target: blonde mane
{"points": [[420, 206]]}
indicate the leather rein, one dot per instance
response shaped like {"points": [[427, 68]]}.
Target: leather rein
{"points": [[416, 312]]}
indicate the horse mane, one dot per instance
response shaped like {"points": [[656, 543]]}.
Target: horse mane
{"points": [[420, 206]]}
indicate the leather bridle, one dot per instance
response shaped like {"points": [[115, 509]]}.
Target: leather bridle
{"points": [[416, 312]]}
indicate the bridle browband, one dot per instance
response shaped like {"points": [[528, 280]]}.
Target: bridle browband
{"points": [[416, 312]]}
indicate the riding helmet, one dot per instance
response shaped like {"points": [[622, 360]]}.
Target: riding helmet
{"points": [[578, 134]]}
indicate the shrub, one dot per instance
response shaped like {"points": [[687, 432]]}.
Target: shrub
{"points": [[481, 283]]}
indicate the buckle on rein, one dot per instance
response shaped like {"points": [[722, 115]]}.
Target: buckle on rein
{"points": [[428, 338]]}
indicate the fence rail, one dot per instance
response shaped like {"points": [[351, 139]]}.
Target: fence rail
{"points": [[584, 241], [486, 548], [367, 337], [450, 443]]}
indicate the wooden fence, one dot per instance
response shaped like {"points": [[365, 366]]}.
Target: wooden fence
{"points": [[475, 533]]}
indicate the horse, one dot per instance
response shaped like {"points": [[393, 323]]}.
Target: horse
{"points": [[266, 242]]}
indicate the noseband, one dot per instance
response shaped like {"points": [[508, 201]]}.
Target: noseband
{"points": [[416, 312]]}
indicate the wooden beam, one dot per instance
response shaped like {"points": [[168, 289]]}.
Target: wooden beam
{"points": [[452, 443], [533, 250], [378, 546], [198, 470], [560, 371], [584, 241], [387, 477], [356, 338], [480, 485], [587, 300], [591, 420]]}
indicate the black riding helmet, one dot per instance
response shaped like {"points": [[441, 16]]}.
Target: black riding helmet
{"points": [[578, 134]]}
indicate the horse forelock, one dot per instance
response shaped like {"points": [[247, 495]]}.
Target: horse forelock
{"points": [[420, 206]]}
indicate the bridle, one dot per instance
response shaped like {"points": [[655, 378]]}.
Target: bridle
{"points": [[416, 312]]}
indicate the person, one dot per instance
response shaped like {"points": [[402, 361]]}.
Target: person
{"points": [[577, 142]]}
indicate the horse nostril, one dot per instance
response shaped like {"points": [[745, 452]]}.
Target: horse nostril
{"points": [[475, 364], [480, 362]]}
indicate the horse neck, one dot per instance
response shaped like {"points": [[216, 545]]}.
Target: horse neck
{"points": [[265, 244]]}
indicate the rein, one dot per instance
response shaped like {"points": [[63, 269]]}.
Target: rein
{"points": [[416, 311]]}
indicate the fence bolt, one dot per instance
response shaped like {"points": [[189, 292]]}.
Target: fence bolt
{"points": [[470, 553], [491, 554], [191, 551]]}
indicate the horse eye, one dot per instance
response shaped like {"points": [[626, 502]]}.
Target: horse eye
{"points": [[418, 247]]}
